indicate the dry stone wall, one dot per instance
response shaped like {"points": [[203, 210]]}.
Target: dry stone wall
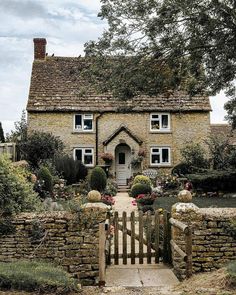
{"points": [[213, 242], [66, 239]]}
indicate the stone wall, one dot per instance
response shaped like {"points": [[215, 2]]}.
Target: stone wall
{"points": [[185, 127], [213, 245], [61, 237]]}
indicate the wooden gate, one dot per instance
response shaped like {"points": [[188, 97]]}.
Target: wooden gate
{"points": [[144, 238]]}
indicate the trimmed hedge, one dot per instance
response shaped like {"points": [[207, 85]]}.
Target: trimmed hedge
{"points": [[140, 188], [45, 175], [214, 181], [98, 179], [142, 179]]}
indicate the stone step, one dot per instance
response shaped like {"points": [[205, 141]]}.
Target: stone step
{"points": [[123, 188]]}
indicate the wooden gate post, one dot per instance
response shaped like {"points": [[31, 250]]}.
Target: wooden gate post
{"points": [[102, 255], [188, 250]]}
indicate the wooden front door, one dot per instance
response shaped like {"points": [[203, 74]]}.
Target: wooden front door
{"points": [[123, 167]]}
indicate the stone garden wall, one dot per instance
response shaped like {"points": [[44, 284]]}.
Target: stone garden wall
{"points": [[213, 241], [70, 240]]}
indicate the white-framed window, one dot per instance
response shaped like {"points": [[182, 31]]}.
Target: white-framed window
{"points": [[160, 122], [83, 122], [85, 155], [160, 156]]}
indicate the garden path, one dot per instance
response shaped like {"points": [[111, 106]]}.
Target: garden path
{"points": [[137, 276]]}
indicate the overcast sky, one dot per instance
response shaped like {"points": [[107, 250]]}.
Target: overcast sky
{"points": [[67, 25]]}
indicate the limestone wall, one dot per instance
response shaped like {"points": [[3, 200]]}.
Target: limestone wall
{"points": [[185, 127], [63, 238], [213, 244]]}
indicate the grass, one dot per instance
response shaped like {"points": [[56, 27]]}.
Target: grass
{"points": [[202, 202], [231, 269], [35, 276]]}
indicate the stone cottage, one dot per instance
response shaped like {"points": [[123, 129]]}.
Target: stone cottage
{"points": [[91, 123]]}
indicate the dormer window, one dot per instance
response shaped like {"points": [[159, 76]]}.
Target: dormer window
{"points": [[160, 122], [83, 122]]}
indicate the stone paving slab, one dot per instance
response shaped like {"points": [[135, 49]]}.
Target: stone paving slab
{"points": [[140, 276]]}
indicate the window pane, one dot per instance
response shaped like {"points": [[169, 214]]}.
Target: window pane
{"points": [[155, 116], [155, 150], [78, 155], [78, 121], [155, 159], [165, 155], [88, 159], [88, 151], [164, 121], [155, 125], [121, 158], [88, 124]]}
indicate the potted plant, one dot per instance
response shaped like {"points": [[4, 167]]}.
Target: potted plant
{"points": [[107, 158]]}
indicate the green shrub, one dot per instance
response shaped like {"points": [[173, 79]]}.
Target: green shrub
{"points": [[111, 188], [35, 276], [140, 188], [41, 146], [142, 179], [6, 226], [214, 181], [98, 179], [45, 175], [194, 154], [231, 269], [181, 169], [71, 170], [16, 193]]}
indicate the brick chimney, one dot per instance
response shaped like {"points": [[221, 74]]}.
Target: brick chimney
{"points": [[40, 48]]}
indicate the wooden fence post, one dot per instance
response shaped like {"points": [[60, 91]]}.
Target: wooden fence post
{"points": [[102, 255], [116, 238], [188, 250]]}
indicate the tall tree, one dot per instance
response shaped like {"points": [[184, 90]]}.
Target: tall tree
{"points": [[2, 137], [186, 38], [20, 132]]}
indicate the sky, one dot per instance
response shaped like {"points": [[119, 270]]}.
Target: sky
{"points": [[66, 25]]}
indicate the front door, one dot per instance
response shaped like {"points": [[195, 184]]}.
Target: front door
{"points": [[123, 157]]}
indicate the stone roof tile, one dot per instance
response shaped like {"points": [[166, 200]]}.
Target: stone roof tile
{"points": [[57, 86]]}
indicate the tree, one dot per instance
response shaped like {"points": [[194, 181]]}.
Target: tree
{"points": [[41, 146], [20, 132], [2, 138], [193, 41]]}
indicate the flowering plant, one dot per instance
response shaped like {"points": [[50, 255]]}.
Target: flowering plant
{"points": [[107, 157], [146, 199], [108, 200], [142, 153]]}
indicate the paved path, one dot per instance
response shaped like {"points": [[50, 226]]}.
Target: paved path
{"points": [[137, 276]]}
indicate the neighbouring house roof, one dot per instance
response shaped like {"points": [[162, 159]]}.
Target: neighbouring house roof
{"points": [[120, 129], [56, 85], [224, 130]]}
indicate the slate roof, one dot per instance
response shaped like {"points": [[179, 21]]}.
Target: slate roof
{"points": [[224, 130], [57, 86]]}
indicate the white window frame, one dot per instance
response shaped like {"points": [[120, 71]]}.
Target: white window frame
{"points": [[83, 118], [160, 153], [161, 128], [84, 154]]}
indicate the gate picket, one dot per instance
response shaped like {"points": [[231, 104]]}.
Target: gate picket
{"points": [[116, 238], [132, 219], [141, 237], [157, 239], [149, 241], [124, 236]]}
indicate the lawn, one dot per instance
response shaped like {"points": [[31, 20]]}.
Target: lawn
{"points": [[202, 202]]}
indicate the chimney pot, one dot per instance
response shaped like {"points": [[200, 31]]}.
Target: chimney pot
{"points": [[40, 48]]}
